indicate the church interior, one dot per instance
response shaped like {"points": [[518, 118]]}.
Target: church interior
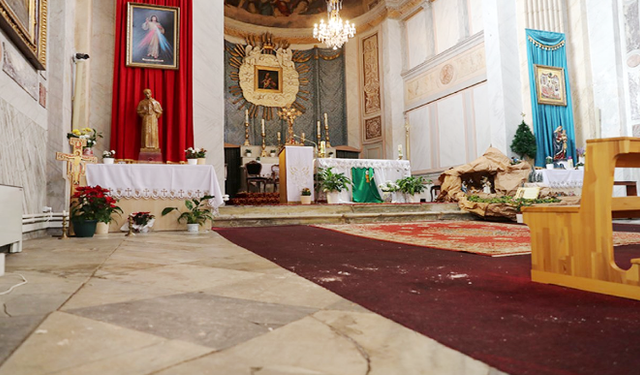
{"points": [[319, 187]]}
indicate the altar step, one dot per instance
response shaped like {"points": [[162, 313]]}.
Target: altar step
{"points": [[257, 216]]}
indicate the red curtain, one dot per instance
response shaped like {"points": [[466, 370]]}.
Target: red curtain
{"points": [[172, 88]]}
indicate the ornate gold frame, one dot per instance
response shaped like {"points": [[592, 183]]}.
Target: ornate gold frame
{"points": [[543, 69], [30, 39], [176, 36], [256, 79]]}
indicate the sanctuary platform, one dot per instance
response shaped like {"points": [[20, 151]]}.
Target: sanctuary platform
{"points": [[297, 214]]}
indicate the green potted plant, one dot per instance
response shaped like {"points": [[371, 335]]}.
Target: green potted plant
{"points": [[524, 142], [388, 188], [305, 196], [196, 215], [90, 205], [272, 153], [332, 183], [549, 162], [412, 186]]}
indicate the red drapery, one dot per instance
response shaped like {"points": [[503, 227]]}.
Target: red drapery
{"points": [[172, 88]]}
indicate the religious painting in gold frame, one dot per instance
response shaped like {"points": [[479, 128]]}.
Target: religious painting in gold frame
{"points": [[550, 85], [268, 79], [153, 36], [25, 22]]}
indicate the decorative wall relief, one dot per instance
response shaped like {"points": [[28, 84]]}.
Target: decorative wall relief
{"points": [[25, 22], [373, 128], [19, 70], [371, 74]]}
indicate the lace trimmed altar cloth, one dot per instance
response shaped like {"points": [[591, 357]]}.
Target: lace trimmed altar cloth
{"points": [[383, 170], [156, 181]]}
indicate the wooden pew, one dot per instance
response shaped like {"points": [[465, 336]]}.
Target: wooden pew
{"points": [[573, 245]]}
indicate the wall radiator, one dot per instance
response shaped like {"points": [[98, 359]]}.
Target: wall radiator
{"points": [[11, 218]]}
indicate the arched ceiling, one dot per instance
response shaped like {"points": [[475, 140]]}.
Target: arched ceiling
{"points": [[290, 13]]}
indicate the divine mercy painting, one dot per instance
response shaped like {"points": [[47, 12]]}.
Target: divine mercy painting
{"points": [[153, 36]]}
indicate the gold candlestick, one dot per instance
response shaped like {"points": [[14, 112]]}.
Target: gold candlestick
{"points": [[65, 227], [326, 130], [130, 232], [246, 134], [264, 146], [289, 114]]}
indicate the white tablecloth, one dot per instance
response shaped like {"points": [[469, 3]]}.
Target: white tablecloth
{"points": [[299, 171], [383, 170], [156, 181], [560, 178]]}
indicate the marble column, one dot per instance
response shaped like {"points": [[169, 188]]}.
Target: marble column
{"points": [[82, 38], [503, 75], [208, 81], [392, 88]]}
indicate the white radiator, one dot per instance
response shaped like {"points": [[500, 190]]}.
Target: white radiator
{"points": [[11, 217]]}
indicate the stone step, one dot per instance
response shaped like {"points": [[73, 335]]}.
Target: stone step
{"points": [[287, 209]]}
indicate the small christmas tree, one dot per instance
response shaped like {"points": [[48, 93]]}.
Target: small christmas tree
{"points": [[524, 142]]}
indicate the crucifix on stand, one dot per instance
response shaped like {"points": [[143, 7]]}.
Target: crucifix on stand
{"points": [[76, 167]]}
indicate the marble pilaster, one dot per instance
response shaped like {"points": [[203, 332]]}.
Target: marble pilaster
{"points": [[392, 88], [352, 85]]}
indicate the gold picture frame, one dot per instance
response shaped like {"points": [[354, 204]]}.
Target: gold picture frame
{"points": [[153, 36], [550, 85], [264, 81], [25, 22]]}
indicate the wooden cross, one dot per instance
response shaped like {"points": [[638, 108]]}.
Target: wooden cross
{"points": [[76, 162]]}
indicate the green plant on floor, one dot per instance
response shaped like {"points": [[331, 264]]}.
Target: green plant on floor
{"points": [[412, 185], [329, 180], [518, 203], [524, 142], [197, 212]]}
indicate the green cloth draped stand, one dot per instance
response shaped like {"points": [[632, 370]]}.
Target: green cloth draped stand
{"points": [[548, 48], [364, 186]]}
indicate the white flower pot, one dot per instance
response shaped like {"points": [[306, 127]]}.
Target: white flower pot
{"points": [[549, 166], [202, 161], [107, 160], [519, 218], [333, 197], [413, 198], [192, 161], [102, 228], [273, 154], [305, 199], [193, 228]]}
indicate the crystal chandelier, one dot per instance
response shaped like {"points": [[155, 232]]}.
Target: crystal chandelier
{"points": [[336, 32]]}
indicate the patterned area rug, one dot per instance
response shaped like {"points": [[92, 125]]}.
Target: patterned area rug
{"points": [[491, 239]]}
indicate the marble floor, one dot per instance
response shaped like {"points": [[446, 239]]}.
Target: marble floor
{"points": [[173, 303]]}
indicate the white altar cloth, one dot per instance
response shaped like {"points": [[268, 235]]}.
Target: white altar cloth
{"points": [[383, 170], [156, 181]]}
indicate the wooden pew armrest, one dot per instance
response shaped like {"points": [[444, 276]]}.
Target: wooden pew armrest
{"points": [[551, 209]]}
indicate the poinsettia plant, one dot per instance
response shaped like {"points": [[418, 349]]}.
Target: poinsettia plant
{"points": [[93, 203]]}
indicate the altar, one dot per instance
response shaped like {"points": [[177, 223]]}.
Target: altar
{"points": [[383, 170], [152, 187]]}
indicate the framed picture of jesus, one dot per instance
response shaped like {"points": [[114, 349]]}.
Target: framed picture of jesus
{"points": [[153, 36], [550, 87], [268, 79]]}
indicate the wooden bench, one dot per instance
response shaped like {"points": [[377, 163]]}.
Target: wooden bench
{"points": [[573, 245]]}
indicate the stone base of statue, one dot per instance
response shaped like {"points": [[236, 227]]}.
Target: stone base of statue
{"points": [[150, 155]]}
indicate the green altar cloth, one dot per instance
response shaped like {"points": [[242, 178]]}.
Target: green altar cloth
{"points": [[364, 186]]}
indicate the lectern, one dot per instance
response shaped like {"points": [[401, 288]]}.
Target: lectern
{"points": [[296, 172]]}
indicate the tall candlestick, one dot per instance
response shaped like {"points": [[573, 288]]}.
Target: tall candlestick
{"points": [[246, 134], [264, 144]]}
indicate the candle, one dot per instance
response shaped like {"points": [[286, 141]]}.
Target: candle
{"points": [[278, 137], [246, 115], [262, 126], [319, 131], [322, 147], [400, 149], [326, 121], [64, 213]]}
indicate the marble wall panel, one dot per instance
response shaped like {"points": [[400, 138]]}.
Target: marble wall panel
{"points": [[451, 131], [481, 123], [475, 16], [421, 140], [416, 37], [393, 87], [446, 20]]}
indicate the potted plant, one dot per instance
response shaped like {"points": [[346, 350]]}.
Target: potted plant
{"points": [[196, 215], [90, 205], [247, 152], [108, 157], [272, 153], [192, 156], [524, 142], [305, 196], [412, 187], [91, 135], [549, 162], [332, 183], [388, 189], [142, 222], [202, 156]]}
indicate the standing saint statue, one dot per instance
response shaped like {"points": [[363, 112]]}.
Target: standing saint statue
{"points": [[150, 110]]}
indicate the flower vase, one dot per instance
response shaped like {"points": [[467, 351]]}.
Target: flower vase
{"points": [[192, 161], [387, 196], [202, 161], [102, 228], [87, 151], [107, 160], [84, 228], [193, 228]]}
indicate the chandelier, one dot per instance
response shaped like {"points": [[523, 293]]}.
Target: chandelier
{"points": [[335, 32]]}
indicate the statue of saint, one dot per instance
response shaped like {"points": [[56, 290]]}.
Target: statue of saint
{"points": [[559, 144], [149, 109]]}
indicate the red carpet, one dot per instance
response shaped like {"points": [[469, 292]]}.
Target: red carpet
{"points": [[484, 307], [478, 237]]}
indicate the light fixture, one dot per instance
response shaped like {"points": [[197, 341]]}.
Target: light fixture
{"points": [[335, 32]]}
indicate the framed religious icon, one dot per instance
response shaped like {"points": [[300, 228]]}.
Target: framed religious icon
{"points": [[25, 22], [153, 36], [268, 79], [550, 86]]}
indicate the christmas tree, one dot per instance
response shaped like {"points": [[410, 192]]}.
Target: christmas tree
{"points": [[524, 142]]}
